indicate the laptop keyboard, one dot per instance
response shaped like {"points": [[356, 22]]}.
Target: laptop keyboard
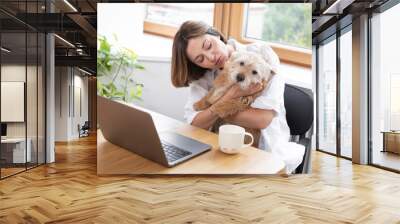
{"points": [[173, 153]]}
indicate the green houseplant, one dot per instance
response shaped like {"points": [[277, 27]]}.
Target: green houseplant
{"points": [[115, 66]]}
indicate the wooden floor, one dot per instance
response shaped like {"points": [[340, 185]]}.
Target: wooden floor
{"points": [[5, 172], [70, 192], [387, 159], [10, 171]]}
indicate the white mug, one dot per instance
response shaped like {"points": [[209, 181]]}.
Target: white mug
{"points": [[231, 138]]}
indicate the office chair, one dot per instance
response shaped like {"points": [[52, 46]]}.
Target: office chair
{"points": [[84, 130], [300, 115]]}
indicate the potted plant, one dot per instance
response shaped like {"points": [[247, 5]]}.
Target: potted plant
{"points": [[115, 66]]}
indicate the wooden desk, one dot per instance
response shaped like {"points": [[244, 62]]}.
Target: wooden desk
{"points": [[112, 159]]}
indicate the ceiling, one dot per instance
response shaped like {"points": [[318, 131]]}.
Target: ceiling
{"points": [[74, 21], [329, 16]]}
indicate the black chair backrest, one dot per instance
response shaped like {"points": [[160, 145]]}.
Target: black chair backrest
{"points": [[299, 109], [86, 125]]}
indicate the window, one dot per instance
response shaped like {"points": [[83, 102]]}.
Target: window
{"points": [[282, 23], [175, 13], [385, 88], [262, 21], [327, 97], [394, 101], [346, 94], [164, 18], [335, 76]]}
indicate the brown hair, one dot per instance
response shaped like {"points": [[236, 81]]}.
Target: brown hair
{"points": [[183, 71]]}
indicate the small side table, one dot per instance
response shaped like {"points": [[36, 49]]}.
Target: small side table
{"points": [[391, 141]]}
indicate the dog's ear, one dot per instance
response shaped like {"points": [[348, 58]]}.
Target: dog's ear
{"points": [[271, 57], [268, 69], [234, 55]]}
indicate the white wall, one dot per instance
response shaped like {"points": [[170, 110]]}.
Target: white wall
{"points": [[82, 82], [61, 103], [66, 121], [15, 72], [80, 100], [125, 20], [158, 93]]}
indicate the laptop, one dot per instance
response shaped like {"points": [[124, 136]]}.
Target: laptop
{"points": [[132, 128]]}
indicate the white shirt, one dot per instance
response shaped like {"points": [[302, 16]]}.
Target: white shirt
{"points": [[275, 137]]}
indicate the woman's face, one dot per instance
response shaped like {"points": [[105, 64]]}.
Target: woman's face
{"points": [[207, 51]]}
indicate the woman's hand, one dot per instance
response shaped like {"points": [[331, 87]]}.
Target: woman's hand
{"points": [[230, 103], [235, 91]]}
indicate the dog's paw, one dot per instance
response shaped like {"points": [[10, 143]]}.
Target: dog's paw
{"points": [[200, 105], [196, 106]]}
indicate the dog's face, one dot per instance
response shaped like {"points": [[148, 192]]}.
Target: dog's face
{"points": [[247, 67]]}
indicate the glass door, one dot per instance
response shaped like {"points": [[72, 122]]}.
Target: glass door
{"points": [[13, 103], [22, 76]]}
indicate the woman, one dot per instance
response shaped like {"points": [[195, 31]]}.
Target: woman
{"points": [[198, 51]]}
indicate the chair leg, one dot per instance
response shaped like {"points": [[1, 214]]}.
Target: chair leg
{"points": [[304, 167]]}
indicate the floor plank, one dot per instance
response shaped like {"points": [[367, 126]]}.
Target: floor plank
{"points": [[69, 191]]}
